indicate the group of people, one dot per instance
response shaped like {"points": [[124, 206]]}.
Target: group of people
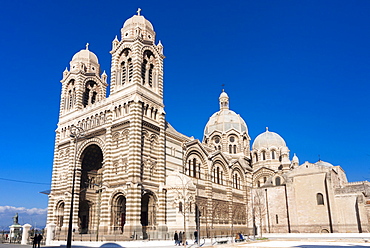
{"points": [[37, 240], [180, 238]]}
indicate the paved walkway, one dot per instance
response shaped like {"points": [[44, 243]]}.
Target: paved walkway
{"points": [[279, 243]]}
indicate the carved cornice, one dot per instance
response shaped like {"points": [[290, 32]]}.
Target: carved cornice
{"points": [[152, 127]]}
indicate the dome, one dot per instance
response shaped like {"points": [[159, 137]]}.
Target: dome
{"points": [[225, 119], [138, 26], [85, 56], [323, 163], [138, 20], [268, 139]]}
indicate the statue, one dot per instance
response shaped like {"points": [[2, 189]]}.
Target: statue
{"points": [[15, 219]]}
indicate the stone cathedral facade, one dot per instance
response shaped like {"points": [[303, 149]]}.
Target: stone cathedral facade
{"points": [[136, 177]]}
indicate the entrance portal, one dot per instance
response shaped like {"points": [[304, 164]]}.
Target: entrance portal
{"points": [[90, 185], [148, 213], [119, 214]]}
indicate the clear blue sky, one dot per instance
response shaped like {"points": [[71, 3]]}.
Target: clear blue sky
{"points": [[301, 68]]}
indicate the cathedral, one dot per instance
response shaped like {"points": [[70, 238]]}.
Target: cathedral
{"points": [[126, 173]]}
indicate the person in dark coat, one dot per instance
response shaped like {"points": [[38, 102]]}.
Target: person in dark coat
{"points": [[176, 238], [39, 238], [34, 241], [180, 238]]}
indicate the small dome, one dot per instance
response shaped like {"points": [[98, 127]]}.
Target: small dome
{"points": [[323, 163], [268, 139], [295, 159], [224, 95], [138, 20], [85, 56]]}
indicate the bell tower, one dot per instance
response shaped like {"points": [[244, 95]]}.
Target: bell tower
{"points": [[137, 84], [82, 85], [136, 61]]}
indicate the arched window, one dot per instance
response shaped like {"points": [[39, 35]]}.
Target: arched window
{"points": [[263, 155], [60, 214], [234, 149], [126, 67], [147, 68], [189, 167], [218, 175], [320, 199], [230, 149], [256, 157], [90, 94], [194, 167], [70, 97], [277, 181], [236, 181], [180, 207], [273, 154]]}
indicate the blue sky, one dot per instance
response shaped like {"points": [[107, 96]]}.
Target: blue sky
{"points": [[301, 68]]}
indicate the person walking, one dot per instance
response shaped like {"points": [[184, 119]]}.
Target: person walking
{"points": [[183, 239], [39, 238], [34, 241], [180, 238], [176, 238]]}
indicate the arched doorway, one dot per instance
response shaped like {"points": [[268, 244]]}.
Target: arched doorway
{"points": [[90, 185], [119, 213], [148, 213], [60, 214]]}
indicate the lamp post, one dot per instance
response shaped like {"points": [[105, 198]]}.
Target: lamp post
{"points": [[75, 133]]}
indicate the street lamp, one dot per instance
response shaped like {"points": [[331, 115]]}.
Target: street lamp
{"points": [[75, 133]]}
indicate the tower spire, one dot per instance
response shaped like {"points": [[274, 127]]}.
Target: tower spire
{"points": [[224, 100]]}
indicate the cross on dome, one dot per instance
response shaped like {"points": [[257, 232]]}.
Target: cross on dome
{"points": [[87, 46], [138, 11]]}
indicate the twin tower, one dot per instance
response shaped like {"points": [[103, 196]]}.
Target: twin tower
{"points": [[118, 159]]}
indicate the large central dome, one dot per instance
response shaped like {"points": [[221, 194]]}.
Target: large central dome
{"points": [[225, 119]]}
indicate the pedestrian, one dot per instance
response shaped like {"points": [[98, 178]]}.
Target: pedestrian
{"points": [[183, 239], [39, 238], [176, 238], [196, 236], [34, 241], [180, 238]]}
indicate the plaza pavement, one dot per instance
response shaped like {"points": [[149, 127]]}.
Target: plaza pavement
{"points": [[269, 243]]}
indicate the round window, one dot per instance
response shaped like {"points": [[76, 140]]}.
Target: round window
{"points": [[232, 139], [217, 140]]}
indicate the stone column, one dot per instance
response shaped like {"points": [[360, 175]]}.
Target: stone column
{"points": [[25, 233], [50, 230]]}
